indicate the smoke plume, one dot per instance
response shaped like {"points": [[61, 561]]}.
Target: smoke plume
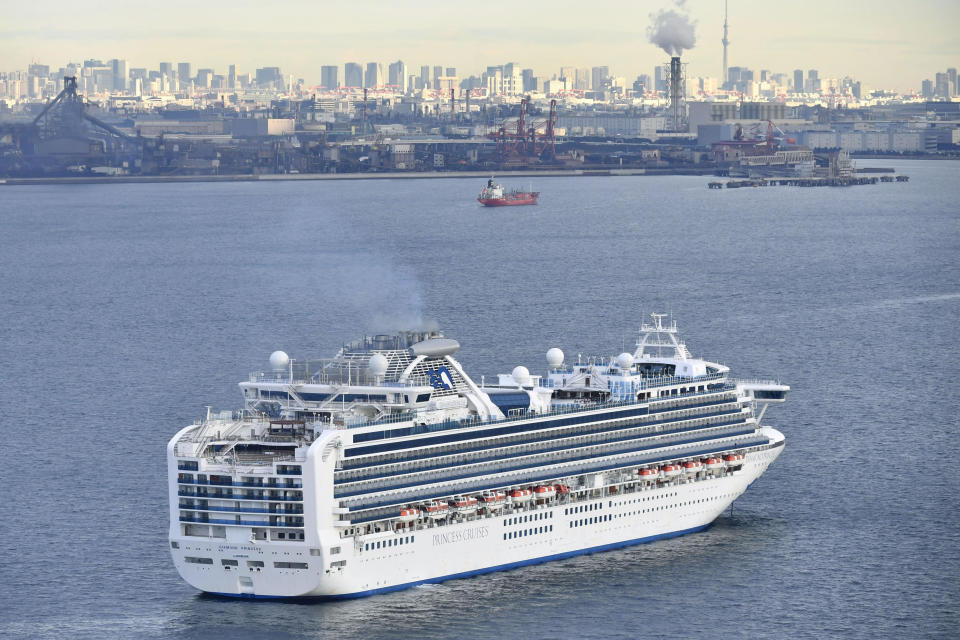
{"points": [[672, 31]]}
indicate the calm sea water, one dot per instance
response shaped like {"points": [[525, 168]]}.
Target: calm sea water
{"points": [[124, 309]]}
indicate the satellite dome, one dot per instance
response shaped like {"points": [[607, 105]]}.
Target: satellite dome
{"points": [[521, 375], [279, 360], [554, 357], [378, 364], [625, 360]]}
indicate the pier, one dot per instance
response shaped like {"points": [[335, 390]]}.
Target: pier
{"points": [[847, 181]]}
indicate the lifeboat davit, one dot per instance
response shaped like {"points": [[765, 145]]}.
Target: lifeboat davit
{"points": [[492, 499], [649, 474], [464, 504], [545, 491], [713, 463], [692, 467], [521, 495], [436, 510], [670, 471], [409, 514]]}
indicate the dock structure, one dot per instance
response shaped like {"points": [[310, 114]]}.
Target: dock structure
{"points": [[844, 181]]}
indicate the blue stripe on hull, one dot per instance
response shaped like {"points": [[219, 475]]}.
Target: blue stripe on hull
{"points": [[475, 572]]}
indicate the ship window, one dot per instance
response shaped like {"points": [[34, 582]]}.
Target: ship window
{"points": [[366, 547], [289, 565], [174, 544], [195, 560], [227, 562]]}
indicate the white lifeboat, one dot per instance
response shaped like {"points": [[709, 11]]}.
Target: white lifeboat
{"points": [[409, 514], [436, 510], [520, 496], [670, 471]]}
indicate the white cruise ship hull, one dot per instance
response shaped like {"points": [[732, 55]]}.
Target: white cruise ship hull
{"points": [[391, 560]]}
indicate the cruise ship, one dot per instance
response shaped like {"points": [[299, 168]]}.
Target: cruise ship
{"points": [[387, 466]]}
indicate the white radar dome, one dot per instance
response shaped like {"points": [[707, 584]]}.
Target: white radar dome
{"points": [[521, 375], [279, 360], [378, 364], [554, 357], [625, 360]]}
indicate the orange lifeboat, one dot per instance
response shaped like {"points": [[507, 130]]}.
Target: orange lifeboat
{"points": [[561, 489], [464, 504], [436, 510], [409, 514], [670, 471], [649, 474], [545, 491], [492, 499], [734, 459], [521, 495], [692, 467], [713, 463]]}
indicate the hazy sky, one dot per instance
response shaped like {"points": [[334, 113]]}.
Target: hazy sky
{"points": [[888, 44]]}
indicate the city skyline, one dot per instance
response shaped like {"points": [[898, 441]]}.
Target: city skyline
{"points": [[892, 47]]}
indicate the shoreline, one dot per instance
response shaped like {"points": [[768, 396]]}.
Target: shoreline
{"points": [[386, 175]]}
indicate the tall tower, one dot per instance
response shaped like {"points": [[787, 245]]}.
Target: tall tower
{"points": [[725, 42]]}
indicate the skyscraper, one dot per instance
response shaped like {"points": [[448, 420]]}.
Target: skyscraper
{"points": [[597, 76], [269, 78], [941, 85], [374, 75], [952, 77], [529, 81], [424, 77], [397, 76], [813, 81], [451, 72], [353, 75], [798, 80], [328, 77], [232, 77], [659, 79], [437, 72], [184, 75], [204, 78], [119, 69]]}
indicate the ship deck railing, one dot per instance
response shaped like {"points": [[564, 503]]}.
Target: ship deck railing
{"points": [[577, 469], [279, 512], [536, 452], [247, 485], [455, 424], [183, 493], [506, 467], [350, 463]]}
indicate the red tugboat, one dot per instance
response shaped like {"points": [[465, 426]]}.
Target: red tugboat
{"points": [[493, 195]]}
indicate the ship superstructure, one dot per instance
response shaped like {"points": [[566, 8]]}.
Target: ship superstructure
{"points": [[387, 466]]}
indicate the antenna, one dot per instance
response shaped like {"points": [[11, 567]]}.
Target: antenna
{"points": [[724, 42]]}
